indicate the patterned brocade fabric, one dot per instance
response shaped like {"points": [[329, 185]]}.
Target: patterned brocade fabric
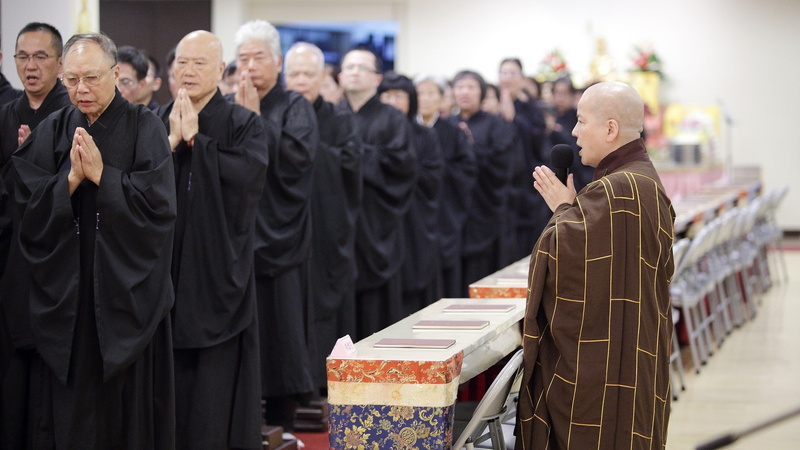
{"points": [[598, 325], [374, 427]]}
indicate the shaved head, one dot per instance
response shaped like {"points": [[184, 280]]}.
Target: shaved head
{"points": [[198, 65], [620, 102], [205, 39]]}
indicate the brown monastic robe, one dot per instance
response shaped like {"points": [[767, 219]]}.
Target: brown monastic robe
{"points": [[598, 325]]}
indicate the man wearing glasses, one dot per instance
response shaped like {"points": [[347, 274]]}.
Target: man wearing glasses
{"points": [[390, 172], [132, 82], [96, 190], [38, 60]]}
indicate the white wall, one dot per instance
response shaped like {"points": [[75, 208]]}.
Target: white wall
{"points": [[738, 52]]}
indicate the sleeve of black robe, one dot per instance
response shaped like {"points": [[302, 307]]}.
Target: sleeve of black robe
{"points": [[228, 169], [283, 222], [5, 226], [421, 262], [338, 187], [133, 290], [490, 195], [460, 170], [390, 172]]}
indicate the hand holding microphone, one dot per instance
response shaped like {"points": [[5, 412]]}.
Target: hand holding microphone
{"points": [[556, 186]]}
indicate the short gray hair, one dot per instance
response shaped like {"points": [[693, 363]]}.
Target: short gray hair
{"points": [[261, 31], [305, 46], [106, 44], [440, 82]]}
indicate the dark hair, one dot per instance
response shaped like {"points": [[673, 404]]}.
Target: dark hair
{"points": [[230, 69], [394, 81], [475, 76], [55, 39], [361, 48], [493, 87], [333, 71], [538, 88], [106, 44], [512, 60], [171, 57], [568, 81], [151, 60], [137, 60]]}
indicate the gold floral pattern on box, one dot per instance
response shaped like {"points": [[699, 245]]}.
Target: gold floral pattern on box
{"points": [[386, 371], [377, 427]]}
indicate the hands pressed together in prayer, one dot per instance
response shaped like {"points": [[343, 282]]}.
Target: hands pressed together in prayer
{"points": [[85, 159], [183, 122], [553, 191], [22, 134], [247, 94]]}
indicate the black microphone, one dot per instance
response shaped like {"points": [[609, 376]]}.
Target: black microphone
{"points": [[561, 159]]}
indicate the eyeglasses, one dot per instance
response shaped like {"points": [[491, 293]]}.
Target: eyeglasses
{"points": [[90, 81], [360, 68], [126, 82], [23, 58]]}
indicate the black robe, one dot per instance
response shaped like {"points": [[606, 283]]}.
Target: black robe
{"points": [[17, 345], [7, 92], [530, 211], [390, 172], [460, 170], [493, 143], [100, 291], [335, 203], [283, 244], [13, 284], [219, 183], [421, 264]]}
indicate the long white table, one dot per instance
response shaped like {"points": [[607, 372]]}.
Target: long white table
{"points": [[404, 398]]}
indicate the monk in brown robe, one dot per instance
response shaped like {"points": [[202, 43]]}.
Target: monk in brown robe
{"points": [[598, 324]]}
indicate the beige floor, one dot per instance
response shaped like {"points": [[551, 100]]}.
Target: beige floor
{"points": [[754, 377]]}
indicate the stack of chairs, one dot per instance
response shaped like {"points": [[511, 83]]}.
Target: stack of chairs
{"points": [[722, 273]]}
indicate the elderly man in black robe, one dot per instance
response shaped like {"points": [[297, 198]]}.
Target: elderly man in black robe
{"points": [[220, 157], [421, 264], [390, 173], [38, 59], [335, 203], [493, 142], [460, 169], [96, 191], [283, 227]]}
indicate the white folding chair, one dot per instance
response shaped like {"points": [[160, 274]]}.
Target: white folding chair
{"points": [[486, 423]]}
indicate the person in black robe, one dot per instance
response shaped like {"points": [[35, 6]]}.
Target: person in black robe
{"points": [[421, 266], [458, 179], [529, 211], [220, 157], [283, 230], [43, 95], [560, 126], [96, 191], [7, 91], [390, 174], [493, 144], [335, 202]]}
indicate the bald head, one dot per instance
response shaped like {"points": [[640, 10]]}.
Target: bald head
{"points": [[205, 40], [198, 65], [617, 101], [304, 70], [306, 50]]}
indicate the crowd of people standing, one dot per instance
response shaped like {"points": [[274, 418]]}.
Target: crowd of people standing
{"points": [[175, 275]]}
